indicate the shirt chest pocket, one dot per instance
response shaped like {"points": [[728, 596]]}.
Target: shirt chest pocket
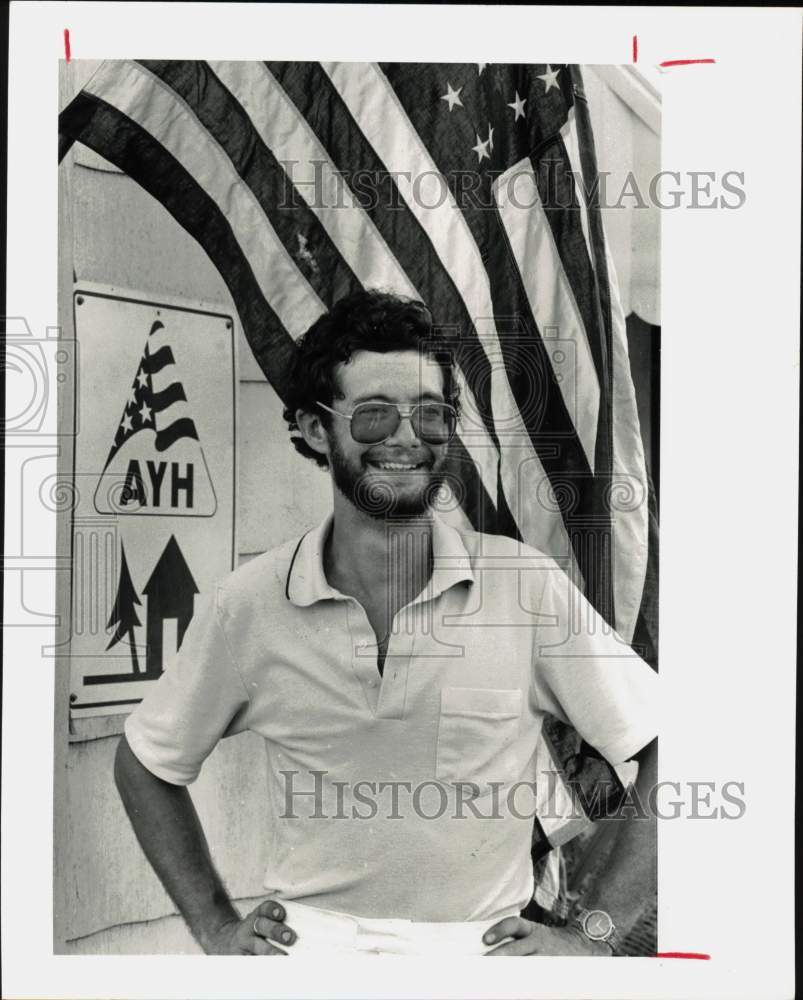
{"points": [[477, 732]]}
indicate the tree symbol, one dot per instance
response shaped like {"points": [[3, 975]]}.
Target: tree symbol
{"points": [[124, 613]]}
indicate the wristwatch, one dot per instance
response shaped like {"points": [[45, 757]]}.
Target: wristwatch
{"points": [[598, 926]]}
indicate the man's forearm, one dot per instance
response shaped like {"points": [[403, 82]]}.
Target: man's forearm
{"points": [[630, 877], [169, 832]]}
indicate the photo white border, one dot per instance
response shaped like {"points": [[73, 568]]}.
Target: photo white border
{"points": [[730, 376]]}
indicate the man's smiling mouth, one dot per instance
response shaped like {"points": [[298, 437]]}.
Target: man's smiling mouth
{"points": [[397, 466]]}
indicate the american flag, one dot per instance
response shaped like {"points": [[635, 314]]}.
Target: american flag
{"points": [[156, 463], [471, 187], [156, 411]]}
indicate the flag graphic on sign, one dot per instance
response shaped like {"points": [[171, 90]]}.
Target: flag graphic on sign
{"points": [[156, 464], [472, 187]]}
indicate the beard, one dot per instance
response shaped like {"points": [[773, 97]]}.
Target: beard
{"points": [[385, 494]]}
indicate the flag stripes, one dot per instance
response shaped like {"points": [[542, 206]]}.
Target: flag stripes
{"points": [[312, 178], [379, 116], [135, 151], [553, 432], [304, 181], [629, 488], [318, 101], [155, 107], [571, 150], [174, 393], [635, 524], [394, 259], [166, 397], [411, 248], [181, 428], [481, 214], [226, 121], [550, 297], [160, 410], [159, 359], [553, 169]]}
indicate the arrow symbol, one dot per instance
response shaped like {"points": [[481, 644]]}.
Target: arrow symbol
{"points": [[171, 592]]}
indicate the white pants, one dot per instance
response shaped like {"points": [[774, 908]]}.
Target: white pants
{"points": [[328, 931]]}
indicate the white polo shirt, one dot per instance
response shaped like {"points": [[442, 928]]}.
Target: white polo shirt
{"points": [[411, 794]]}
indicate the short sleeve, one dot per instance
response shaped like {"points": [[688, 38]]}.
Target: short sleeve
{"points": [[587, 676], [199, 699]]}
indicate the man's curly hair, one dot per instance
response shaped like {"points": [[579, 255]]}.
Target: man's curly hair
{"points": [[368, 320]]}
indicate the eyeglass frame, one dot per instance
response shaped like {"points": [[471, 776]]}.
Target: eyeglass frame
{"points": [[405, 411]]}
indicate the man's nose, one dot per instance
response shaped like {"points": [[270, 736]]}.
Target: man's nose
{"points": [[404, 433]]}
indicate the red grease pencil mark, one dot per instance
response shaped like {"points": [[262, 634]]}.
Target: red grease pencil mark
{"points": [[635, 48], [683, 954], [67, 43], [685, 62]]}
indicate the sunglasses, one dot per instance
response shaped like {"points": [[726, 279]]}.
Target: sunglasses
{"points": [[373, 423]]}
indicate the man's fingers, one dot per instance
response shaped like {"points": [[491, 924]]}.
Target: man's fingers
{"points": [[266, 928], [270, 908], [521, 946], [263, 947], [515, 927]]}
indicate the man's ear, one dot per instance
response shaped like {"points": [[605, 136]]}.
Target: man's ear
{"points": [[313, 431]]}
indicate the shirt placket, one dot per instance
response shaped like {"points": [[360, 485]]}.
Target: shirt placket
{"points": [[412, 627], [363, 651], [385, 694], [401, 645]]}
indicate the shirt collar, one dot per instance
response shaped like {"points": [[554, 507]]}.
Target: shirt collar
{"points": [[306, 581]]}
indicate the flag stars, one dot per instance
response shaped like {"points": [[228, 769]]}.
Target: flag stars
{"points": [[481, 149], [452, 97], [126, 424], [484, 148], [518, 106], [145, 413], [550, 78], [142, 378], [132, 396]]}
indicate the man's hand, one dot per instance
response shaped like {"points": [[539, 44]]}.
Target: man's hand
{"points": [[537, 939], [254, 934]]}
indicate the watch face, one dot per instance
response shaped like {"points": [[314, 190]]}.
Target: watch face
{"points": [[597, 925]]}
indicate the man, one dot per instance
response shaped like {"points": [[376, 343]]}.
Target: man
{"points": [[399, 671]]}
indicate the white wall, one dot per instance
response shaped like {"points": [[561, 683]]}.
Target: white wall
{"points": [[628, 142]]}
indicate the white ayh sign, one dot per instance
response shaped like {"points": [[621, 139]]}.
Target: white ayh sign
{"points": [[154, 480]]}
